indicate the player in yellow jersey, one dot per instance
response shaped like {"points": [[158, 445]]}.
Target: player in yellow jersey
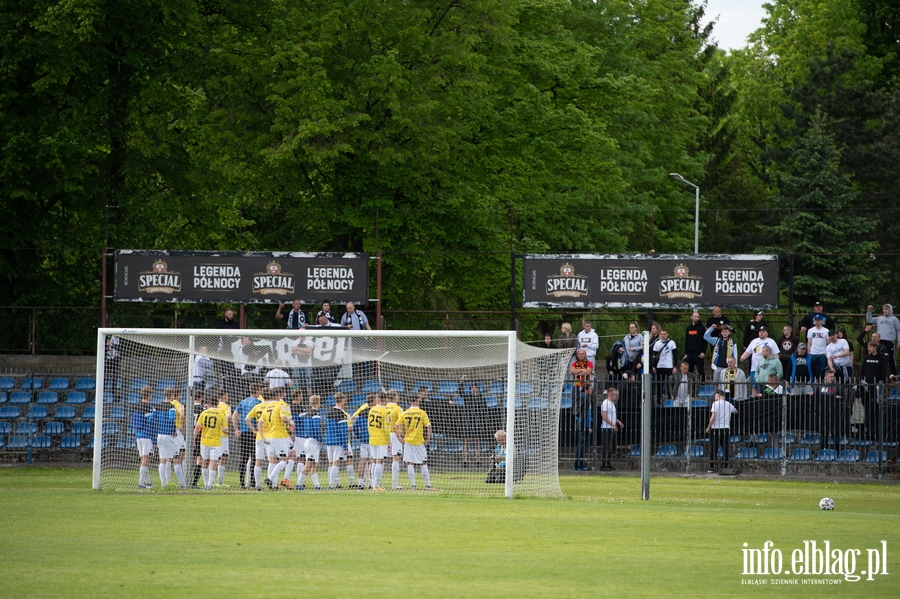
{"points": [[212, 425], [276, 430], [379, 437], [359, 424], [396, 446], [226, 443], [415, 428], [252, 421]]}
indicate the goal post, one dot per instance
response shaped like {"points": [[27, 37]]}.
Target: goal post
{"points": [[471, 384]]}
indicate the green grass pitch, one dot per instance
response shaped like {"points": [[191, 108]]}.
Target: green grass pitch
{"points": [[61, 539]]}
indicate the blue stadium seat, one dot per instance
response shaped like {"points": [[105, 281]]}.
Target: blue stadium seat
{"points": [[538, 403], [357, 399], [117, 413], [10, 412], [568, 387], [706, 392], [448, 388], [37, 412], [133, 398], [872, 457], [773, 453], [634, 451], [895, 394], [697, 451], [699, 403], [801, 454], [65, 412], [666, 451], [524, 388], [565, 403], [848, 455], [452, 446], [88, 413], [346, 386], [788, 438], [70, 442], [758, 438], [54, 428], [669, 403], [826, 455], [42, 442], [7, 383], [138, 384], [810, 439], [48, 397], [6, 428], [372, 386], [2, 442], [398, 386], [58, 384], [166, 383], [497, 388], [32, 383], [492, 401], [110, 428], [419, 384], [747, 453], [17, 442], [108, 397], [19, 397], [104, 444], [82, 428], [4, 397], [76, 398], [112, 384], [85, 384], [862, 443], [734, 439], [158, 398]]}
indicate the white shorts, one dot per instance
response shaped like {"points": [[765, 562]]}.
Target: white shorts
{"points": [[179, 438], [260, 453], [378, 452], [208, 452], [226, 445], [365, 451], [144, 446], [278, 448], [167, 446], [415, 454], [396, 445], [313, 448], [336, 452]]}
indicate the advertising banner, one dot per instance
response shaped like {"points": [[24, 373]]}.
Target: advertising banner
{"points": [[650, 281], [240, 277]]}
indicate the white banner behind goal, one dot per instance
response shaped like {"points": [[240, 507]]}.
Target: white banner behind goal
{"points": [[153, 384]]}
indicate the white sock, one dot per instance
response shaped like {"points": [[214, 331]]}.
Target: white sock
{"points": [[257, 475], [426, 475], [411, 470], [334, 476], [144, 478], [248, 472], [351, 476], [395, 474], [169, 466], [277, 471], [376, 477], [315, 479], [289, 470], [221, 474], [269, 470], [162, 475], [179, 474], [206, 478]]}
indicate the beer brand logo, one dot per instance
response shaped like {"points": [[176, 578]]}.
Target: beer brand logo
{"points": [[273, 281], [159, 279], [567, 283], [681, 285]]}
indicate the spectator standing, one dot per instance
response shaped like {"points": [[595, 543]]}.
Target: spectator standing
{"points": [[754, 351], [547, 343], [724, 346], [809, 321], [608, 428], [718, 429], [888, 327], [634, 346], [717, 321], [227, 321], [682, 386], [840, 360], [204, 377], [751, 331], [768, 364], [295, 319], [787, 345], [588, 340], [665, 363], [695, 346], [354, 319], [801, 371], [582, 370], [567, 339], [326, 312], [817, 340], [830, 400]]}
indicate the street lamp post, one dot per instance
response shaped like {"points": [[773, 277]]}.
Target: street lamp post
{"points": [[678, 177]]}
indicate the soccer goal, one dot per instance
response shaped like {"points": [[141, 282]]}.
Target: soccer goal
{"points": [[473, 386]]}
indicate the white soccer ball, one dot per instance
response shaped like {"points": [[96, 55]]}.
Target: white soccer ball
{"points": [[827, 503]]}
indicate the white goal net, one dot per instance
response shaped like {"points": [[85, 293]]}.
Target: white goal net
{"points": [[326, 409]]}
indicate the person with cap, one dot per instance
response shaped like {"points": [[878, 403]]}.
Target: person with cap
{"points": [[837, 352], [751, 331], [808, 321], [718, 428], [888, 327], [724, 346], [817, 340], [754, 351], [801, 371]]}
